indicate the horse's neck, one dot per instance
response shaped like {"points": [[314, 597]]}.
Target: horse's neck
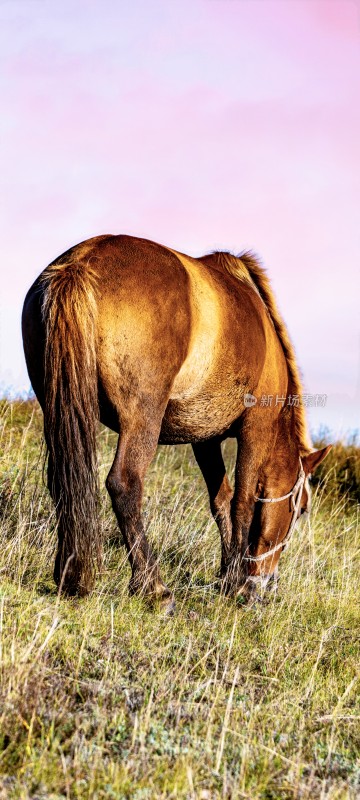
{"points": [[286, 450]]}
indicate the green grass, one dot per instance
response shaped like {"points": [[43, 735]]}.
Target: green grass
{"points": [[102, 698]]}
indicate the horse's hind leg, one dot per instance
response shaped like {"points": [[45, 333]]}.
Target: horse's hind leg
{"points": [[209, 458], [136, 446], [54, 494]]}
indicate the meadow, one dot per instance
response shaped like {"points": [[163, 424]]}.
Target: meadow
{"points": [[103, 698]]}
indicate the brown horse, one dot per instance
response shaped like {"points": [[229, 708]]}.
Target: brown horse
{"points": [[162, 347]]}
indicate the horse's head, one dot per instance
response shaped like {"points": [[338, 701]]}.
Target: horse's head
{"points": [[283, 495]]}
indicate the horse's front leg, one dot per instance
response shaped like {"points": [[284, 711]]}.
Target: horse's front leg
{"points": [[235, 580], [209, 458]]}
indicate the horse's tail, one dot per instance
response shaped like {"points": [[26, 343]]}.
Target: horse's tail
{"points": [[70, 418]]}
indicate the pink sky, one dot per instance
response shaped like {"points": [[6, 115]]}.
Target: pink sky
{"points": [[200, 124]]}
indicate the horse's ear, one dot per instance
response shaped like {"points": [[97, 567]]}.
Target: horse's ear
{"points": [[312, 460]]}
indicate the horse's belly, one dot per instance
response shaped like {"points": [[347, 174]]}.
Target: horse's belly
{"points": [[202, 417]]}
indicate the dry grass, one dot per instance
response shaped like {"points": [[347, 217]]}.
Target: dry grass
{"points": [[101, 698]]}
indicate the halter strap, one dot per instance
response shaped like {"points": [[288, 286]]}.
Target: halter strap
{"points": [[295, 494]]}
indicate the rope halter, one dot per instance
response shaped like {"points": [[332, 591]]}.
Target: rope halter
{"points": [[295, 494]]}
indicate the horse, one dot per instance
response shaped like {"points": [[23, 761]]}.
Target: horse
{"points": [[165, 348]]}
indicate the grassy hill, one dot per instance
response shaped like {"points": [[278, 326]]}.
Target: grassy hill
{"points": [[102, 698]]}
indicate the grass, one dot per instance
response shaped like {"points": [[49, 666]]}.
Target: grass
{"points": [[102, 698]]}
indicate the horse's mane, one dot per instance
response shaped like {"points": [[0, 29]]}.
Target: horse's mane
{"points": [[246, 267]]}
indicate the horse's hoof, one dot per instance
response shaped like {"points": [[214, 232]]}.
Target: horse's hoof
{"points": [[166, 605], [248, 601]]}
